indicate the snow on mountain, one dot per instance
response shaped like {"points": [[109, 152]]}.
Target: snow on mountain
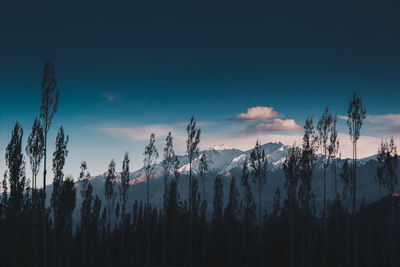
{"points": [[223, 159], [227, 162], [218, 158]]}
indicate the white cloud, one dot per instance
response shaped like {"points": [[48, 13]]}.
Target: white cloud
{"points": [[256, 114], [265, 120]]}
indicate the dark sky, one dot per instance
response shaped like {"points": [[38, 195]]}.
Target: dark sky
{"points": [[158, 62], [185, 40]]}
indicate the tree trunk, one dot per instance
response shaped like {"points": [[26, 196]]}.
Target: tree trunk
{"points": [[324, 191], [148, 233], [190, 216], [164, 240], [44, 197], [259, 204], [336, 179], [354, 208]]}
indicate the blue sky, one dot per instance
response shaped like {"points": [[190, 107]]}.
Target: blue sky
{"points": [[132, 68]]}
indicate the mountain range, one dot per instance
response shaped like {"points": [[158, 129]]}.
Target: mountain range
{"points": [[228, 162]]}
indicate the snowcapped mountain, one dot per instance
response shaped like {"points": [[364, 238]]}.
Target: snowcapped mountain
{"points": [[228, 162], [221, 159]]}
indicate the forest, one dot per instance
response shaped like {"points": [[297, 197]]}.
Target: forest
{"points": [[37, 227]]}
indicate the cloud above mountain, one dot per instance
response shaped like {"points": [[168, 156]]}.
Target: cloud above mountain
{"points": [[256, 114], [264, 119]]}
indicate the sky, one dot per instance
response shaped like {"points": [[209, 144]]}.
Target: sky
{"points": [[246, 70]]}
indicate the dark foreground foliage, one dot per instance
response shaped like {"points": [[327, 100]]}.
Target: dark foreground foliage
{"points": [[229, 238]]}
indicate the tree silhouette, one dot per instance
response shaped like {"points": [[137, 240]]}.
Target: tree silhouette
{"points": [[86, 192], [168, 164], [259, 163], [16, 171], [324, 127], [249, 212], [150, 155], [334, 149], [232, 209], [48, 108], [217, 220], [125, 178], [168, 159], [356, 115], [387, 165], [192, 150], [59, 157], [109, 192], [307, 164], [387, 177], [291, 168], [83, 178], [347, 179], [34, 150], [66, 206], [123, 189], [276, 203], [203, 168]]}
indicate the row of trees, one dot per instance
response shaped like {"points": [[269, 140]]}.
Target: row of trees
{"points": [[239, 232]]}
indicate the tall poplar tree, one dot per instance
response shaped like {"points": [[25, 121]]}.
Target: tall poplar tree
{"points": [[192, 150], [16, 170], [168, 159], [109, 192], [59, 157], [307, 164], [124, 185], [259, 164], [34, 150], [387, 165], [203, 168], [48, 108], [150, 155], [167, 164], [355, 118], [86, 192], [334, 150], [324, 128], [291, 169]]}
